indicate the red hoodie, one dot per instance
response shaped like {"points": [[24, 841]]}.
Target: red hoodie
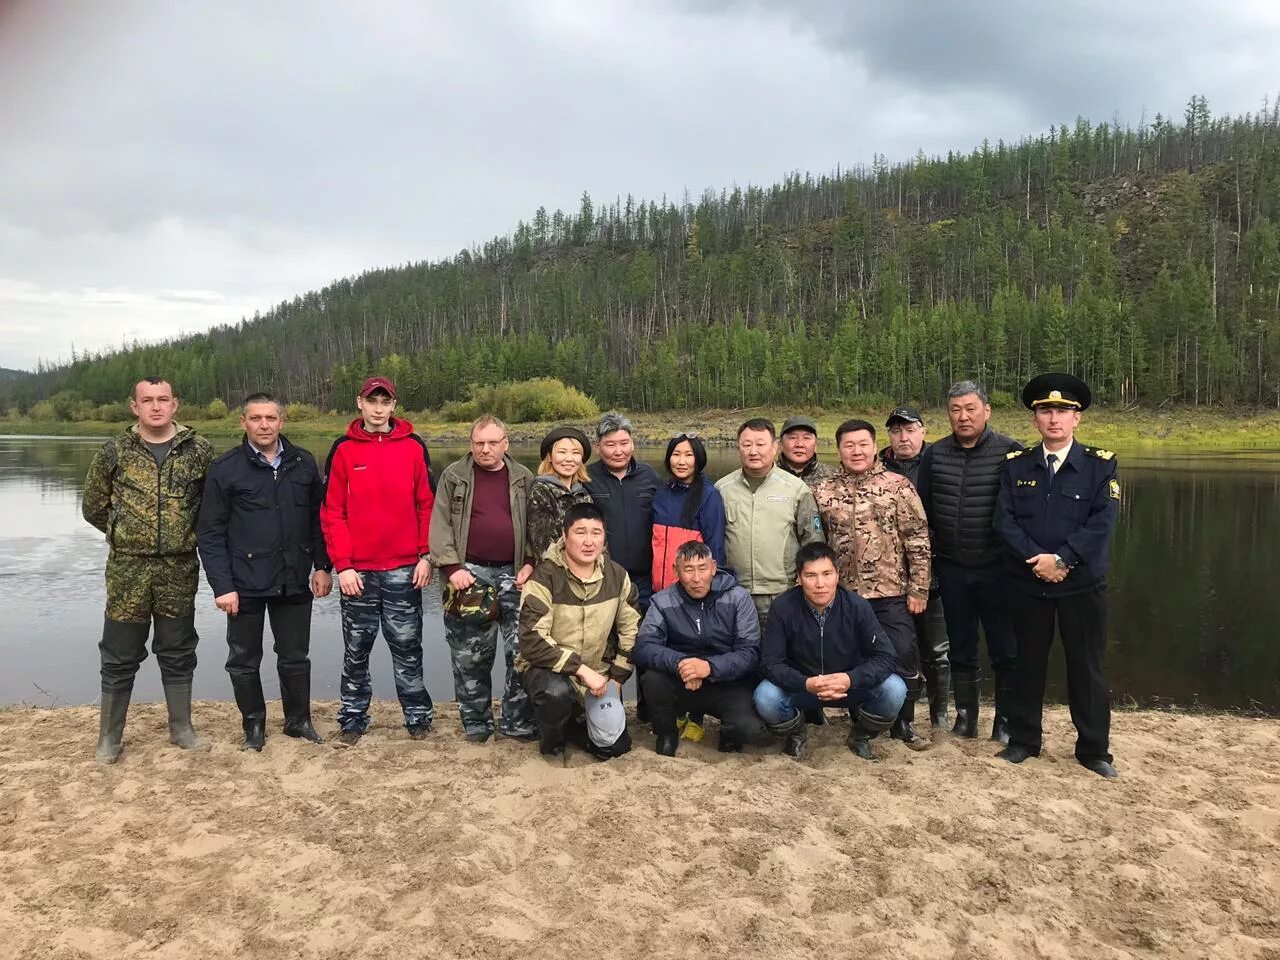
{"points": [[377, 503]]}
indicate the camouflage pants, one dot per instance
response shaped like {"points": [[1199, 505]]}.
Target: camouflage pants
{"points": [[473, 649], [141, 587], [389, 600]]}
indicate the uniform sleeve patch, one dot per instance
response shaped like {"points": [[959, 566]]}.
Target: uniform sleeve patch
{"points": [[1114, 487]]}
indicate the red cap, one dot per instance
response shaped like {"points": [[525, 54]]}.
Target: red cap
{"points": [[378, 383]]}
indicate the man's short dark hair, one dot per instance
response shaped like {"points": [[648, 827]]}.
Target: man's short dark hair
{"points": [[691, 551], [811, 553], [260, 397], [966, 387], [850, 426], [155, 382], [759, 423], [581, 511]]}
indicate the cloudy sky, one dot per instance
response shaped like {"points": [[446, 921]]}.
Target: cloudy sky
{"points": [[169, 166]]}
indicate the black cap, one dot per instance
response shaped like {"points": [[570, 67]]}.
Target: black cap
{"points": [[799, 423], [1056, 390], [566, 433], [904, 415]]}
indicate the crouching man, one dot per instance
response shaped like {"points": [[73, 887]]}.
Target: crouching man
{"points": [[578, 623], [698, 650], [823, 647]]}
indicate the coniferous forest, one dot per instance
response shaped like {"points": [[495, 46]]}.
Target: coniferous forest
{"points": [[1146, 261]]}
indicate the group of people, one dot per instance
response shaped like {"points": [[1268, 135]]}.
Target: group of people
{"points": [[783, 588]]}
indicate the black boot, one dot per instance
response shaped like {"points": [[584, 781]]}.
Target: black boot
{"points": [[902, 729], [177, 697], [967, 686], [247, 688], [667, 743], [866, 727], [295, 694], [1005, 692], [115, 704], [796, 732], [938, 678]]}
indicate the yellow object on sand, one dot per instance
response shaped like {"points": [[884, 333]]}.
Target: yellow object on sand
{"points": [[689, 730]]}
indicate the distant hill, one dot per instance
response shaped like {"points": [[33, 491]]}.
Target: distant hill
{"points": [[1146, 261], [7, 375]]}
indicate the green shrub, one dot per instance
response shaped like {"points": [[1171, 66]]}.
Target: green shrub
{"points": [[300, 412], [113, 413], [539, 399], [42, 412], [217, 409], [1002, 399]]}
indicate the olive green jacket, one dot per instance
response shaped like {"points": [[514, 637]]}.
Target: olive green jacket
{"points": [[451, 513], [765, 527], [144, 509]]}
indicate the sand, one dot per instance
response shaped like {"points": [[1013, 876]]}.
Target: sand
{"points": [[403, 849]]}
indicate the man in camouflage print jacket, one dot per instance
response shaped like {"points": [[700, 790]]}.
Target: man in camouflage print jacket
{"points": [[143, 491], [876, 525]]}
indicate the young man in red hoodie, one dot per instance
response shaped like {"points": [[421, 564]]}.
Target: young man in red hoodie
{"points": [[376, 516]]}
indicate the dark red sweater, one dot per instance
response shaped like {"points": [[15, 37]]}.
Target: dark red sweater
{"points": [[491, 539]]}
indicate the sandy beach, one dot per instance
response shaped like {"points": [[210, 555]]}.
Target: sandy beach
{"points": [[398, 849]]}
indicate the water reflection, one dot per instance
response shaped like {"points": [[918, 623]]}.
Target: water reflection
{"points": [[1193, 606]]}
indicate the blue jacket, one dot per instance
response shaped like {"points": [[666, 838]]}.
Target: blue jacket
{"points": [[796, 647], [721, 628], [669, 531]]}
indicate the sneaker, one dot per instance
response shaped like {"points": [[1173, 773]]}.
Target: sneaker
{"points": [[419, 731], [347, 738]]}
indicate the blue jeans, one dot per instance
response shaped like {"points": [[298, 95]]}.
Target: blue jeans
{"points": [[970, 595], [777, 706], [389, 600]]}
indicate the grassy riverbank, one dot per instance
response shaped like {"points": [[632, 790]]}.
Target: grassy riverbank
{"points": [[1177, 428]]}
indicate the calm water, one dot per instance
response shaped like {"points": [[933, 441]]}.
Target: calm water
{"points": [[1195, 590]]}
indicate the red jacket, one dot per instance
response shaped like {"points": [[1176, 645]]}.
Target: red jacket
{"points": [[377, 503]]}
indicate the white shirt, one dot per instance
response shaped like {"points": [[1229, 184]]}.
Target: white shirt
{"points": [[1060, 454]]}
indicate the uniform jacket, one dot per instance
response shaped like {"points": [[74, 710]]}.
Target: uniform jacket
{"points": [[377, 505], [764, 528], [796, 647], [876, 525], [566, 622], [721, 628], [669, 533], [451, 516], [259, 528], [958, 487], [812, 473], [627, 505], [144, 509], [1073, 518], [549, 500]]}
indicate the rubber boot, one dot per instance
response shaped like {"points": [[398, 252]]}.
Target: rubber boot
{"points": [[967, 686], [295, 693], [253, 709], [866, 727], [666, 744], [796, 734], [115, 704], [1005, 686], [177, 697], [902, 728], [938, 678]]}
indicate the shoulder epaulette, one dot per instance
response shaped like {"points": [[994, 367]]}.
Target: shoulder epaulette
{"points": [[1014, 453], [1100, 454]]}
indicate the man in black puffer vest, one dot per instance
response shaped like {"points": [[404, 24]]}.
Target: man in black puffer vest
{"points": [[959, 480]]}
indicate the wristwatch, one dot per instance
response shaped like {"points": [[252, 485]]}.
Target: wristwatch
{"points": [[1059, 562]]}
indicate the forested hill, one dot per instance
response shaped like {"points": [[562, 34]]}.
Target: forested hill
{"points": [[6, 374], [1147, 261]]}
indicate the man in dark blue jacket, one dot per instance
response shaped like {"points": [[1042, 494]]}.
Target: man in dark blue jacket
{"points": [[259, 539], [699, 646], [823, 647], [1055, 512]]}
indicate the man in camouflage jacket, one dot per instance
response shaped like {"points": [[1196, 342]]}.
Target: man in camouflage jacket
{"points": [[876, 525], [143, 491]]}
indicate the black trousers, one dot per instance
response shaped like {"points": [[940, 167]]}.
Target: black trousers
{"points": [[668, 698], [900, 627], [1082, 620], [555, 701], [290, 626]]}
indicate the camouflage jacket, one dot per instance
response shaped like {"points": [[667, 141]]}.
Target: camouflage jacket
{"points": [[876, 525], [812, 473], [144, 509], [549, 498]]}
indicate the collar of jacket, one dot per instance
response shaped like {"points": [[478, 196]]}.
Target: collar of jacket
{"points": [[887, 455], [507, 464], [722, 581], [877, 468], [555, 553], [181, 435], [252, 455], [1075, 457], [810, 465]]}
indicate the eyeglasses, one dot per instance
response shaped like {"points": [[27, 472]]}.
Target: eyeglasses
{"points": [[684, 436]]}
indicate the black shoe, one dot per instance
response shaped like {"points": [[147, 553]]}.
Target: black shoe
{"points": [[479, 736], [666, 745], [1015, 753], [728, 745], [301, 729], [255, 734], [347, 738], [1102, 768], [419, 731]]}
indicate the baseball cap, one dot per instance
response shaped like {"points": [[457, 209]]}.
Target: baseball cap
{"points": [[378, 383], [906, 415], [606, 719], [799, 423]]}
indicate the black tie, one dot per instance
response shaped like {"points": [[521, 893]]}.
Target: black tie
{"points": [[1050, 459]]}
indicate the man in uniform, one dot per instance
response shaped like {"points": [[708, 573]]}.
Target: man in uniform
{"points": [[799, 457], [876, 525], [143, 491], [904, 455], [1055, 512]]}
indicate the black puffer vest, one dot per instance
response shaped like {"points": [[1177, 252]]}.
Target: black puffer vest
{"points": [[962, 487]]}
